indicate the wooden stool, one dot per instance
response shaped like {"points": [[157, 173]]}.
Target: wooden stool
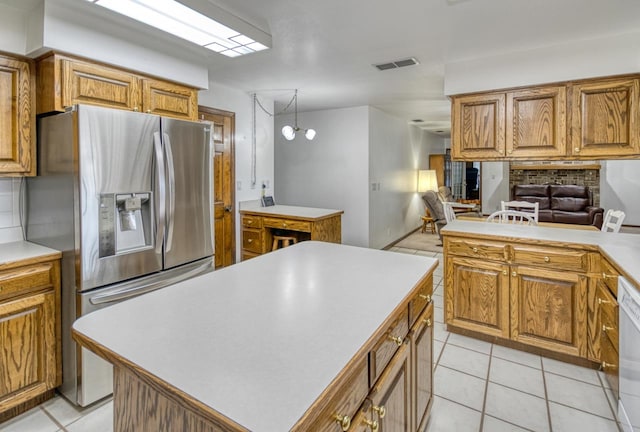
{"points": [[286, 241], [428, 220]]}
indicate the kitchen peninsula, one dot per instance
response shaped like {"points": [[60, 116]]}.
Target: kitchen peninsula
{"points": [[316, 336]]}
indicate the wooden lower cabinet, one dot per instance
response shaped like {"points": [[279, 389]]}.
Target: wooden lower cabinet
{"points": [[29, 335], [392, 393], [422, 369]]}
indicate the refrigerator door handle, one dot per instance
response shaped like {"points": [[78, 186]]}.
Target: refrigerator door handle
{"points": [[159, 154], [172, 191]]}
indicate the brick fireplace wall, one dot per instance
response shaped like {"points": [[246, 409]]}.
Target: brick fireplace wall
{"points": [[583, 177]]}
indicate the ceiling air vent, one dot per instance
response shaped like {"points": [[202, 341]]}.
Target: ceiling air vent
{"points": [[397, 64]]}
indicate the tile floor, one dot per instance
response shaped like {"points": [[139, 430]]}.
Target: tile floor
{"points": [[478, 387]]}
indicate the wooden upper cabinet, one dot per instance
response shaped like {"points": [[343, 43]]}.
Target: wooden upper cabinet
{"points": [[478, 127], [64, 81], [168, 99], [17, 117], [536, 122], [604, 118]]}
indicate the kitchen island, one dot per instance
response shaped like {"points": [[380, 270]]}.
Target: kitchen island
{"points": [[316, 336]]}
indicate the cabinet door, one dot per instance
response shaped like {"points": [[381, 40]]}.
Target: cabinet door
{"points": [[27, 348], [168, 99], [604, 118], [536, 122], [478, 128], [549, 309], [17, 117], [477, 296], [422, 368], [84, 83], [392, 394]]}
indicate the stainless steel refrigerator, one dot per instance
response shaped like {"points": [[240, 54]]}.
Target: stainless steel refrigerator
{"points": [[126, 197]]}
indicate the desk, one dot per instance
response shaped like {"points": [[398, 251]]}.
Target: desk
{"points": [[307, 222], [542, 224]]}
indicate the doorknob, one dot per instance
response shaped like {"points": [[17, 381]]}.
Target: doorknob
{"points": [[228, 208]]}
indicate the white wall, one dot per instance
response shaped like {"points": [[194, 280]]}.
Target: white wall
{"points": [[332, 171], [396, 152], [612, 55], [12, 30], [10, 227], [495, 185], [241, 104], [619, 186]]}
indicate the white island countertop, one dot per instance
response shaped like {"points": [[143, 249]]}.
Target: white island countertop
{"points": [[623, 249], [23, 252], [293, 211], [260, 341]]}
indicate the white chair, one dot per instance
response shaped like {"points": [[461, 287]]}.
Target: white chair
{"points": [[512, 217], [518, 205], [449, 213], [612, 220]]}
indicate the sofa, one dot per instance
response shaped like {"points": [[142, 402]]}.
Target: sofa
{"points": [[570, 204]]}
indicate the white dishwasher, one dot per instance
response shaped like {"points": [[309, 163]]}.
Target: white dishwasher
{"points": [[629, 403]]}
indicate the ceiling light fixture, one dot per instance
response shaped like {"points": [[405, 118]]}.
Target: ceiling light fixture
{"points": [[193, 23], [289, 132]]}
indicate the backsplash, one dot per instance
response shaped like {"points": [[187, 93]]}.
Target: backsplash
{"points": [[10, 228]]}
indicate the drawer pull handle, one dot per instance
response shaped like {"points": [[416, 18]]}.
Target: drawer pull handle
{"points": [[606, 328], [381, 410], [284, 225], [514, 274], [397, 339], [547, 259], [606, 365], [475, 250], [425, 297], [606, 276], [249, 222], [343, 421], [427, 321], [373, 425], [250, 241], [602, 301]]}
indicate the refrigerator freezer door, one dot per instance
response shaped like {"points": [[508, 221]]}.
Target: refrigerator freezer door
{"points": [[117, 158], [189, 231]]}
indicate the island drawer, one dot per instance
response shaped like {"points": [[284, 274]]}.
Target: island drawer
{"points": [[551, 257], [348, 398], [387, 346], [252, 240], [289, 224], [420, 300], [24, 279], [610, 276], [251, 221], [476, 248]]}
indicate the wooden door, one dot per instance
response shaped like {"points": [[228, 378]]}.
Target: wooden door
{"points": [[17, 117], [28, 355], [223, 132], [436, 163], [549, 309], [536, 122], [422, 368], [393, 393], [478, 127], [605, 118], [477, 295], [168, 99]]}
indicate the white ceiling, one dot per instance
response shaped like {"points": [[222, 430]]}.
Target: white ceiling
{"points": [[326, 48]]}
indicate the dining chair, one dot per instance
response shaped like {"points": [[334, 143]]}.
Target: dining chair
{"points": [[613, 221], [449, 212], [519, 205], [512, 217]]}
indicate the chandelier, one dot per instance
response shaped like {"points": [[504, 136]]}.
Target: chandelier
{"points": [[289, 132]]}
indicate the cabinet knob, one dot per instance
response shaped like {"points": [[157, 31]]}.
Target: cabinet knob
{"points": [[425, 297], [343, 421], [381, 410], [249, 222], [547, 259], [576, 149], [148, 111], [504, 272], [606, 276], [250, 241], [397, 339], [373, 425], [606, 328], [284, 225], [427, 321], [136, 109], [603, 301], [475, 250], [514, 274]]}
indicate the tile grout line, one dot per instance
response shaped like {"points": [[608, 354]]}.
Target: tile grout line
{"points": [[614, 411], [53, 419], [486, 389], [546, 395]]}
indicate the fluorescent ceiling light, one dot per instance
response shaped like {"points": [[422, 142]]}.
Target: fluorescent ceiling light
{"points": [[186, 23]]}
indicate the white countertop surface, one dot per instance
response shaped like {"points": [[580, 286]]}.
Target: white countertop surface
{"points": [[294, 211], [21, 251], [260, 340], [623, 249]]}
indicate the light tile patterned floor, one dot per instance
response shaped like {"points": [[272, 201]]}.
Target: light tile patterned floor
{"points": [[479, 387]]}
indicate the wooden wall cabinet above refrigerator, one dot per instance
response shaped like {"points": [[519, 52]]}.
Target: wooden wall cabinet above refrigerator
{"points": [[64, 81], [587, 119], [17, 117]]}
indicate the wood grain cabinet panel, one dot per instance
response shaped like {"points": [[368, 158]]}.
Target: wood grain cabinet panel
{"points": [[17, 117], [422, 368], [536, 122], [605, 119], [477, 295], [393, 392], [478, 126], [168, 99]]}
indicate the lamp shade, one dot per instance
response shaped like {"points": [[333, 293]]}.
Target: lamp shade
{"points": [[310, 134], [427, 181], [288, 132]]}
